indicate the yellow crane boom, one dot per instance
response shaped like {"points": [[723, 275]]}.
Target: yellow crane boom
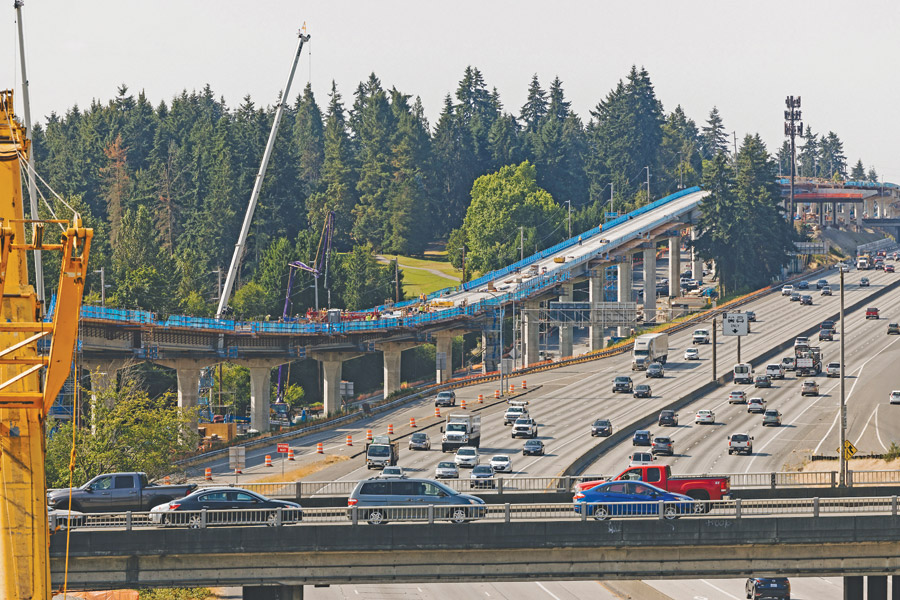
{"points": [[29, 381]]}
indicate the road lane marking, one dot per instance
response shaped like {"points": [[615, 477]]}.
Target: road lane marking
{"points": [[718, 589], [551, 594], [878, 433]]}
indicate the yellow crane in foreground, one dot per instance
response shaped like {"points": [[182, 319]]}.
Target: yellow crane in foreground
{"points": [[29, 380]]}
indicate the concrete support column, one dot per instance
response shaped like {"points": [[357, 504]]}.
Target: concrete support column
{"points": [[331, 385], [189, 392], [853, 587], [565, 329], [696, 263], [595, 296], [260, 397], [624, 285], [650, 283], [444, 344], [859, 208], [895, 587], [391, 354], [490, 356], [272, 592], [876, 587], [531, 332], [674, 266], [103, 379]]}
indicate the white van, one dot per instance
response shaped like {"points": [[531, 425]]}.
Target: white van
{"points": [[743, 373]]}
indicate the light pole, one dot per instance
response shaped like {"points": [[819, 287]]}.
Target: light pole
{"points": [[102, 271], [569, 202], [648, 183], [680, 172], [841, 449]]}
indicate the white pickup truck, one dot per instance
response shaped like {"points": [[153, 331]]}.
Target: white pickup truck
{"points": [[525, 427], [740, 443], [700, 336]]}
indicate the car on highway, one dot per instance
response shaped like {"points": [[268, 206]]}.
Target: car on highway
{"points": [[765, 588], [601, 428], [482, 477], [806, 300], [740, 443], [751, 316], [894, 398], [789, 363], [446, 470], [771, 417], [620, 498], [525, 427], [821, 283], [802, 285], [844, 267], [378, 501], [662, 444], [501, 463], [742, 373], [446, 398], [888, 268], [668, 418], [787, 290], [642, 390], [737, 397], [762, 381], [826, 324], [809, 388], [419, 441], [655, 370], [704, 417], [864, 282], [225, 506], [775, 371], [826, 291], [872, 313], [691, 354], [513, 414], [641, 438], [467, 456], [826, 335], [700, 336], [795, 297], [756, 405], [533, 448], [623, 383], [390, 472], [893, 329], [638, 459], [801, 342]]}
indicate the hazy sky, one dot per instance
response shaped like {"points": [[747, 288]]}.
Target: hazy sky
{"points": [[843, 58]]}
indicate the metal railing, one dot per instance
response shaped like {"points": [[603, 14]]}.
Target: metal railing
{"points": [[432, 513]]}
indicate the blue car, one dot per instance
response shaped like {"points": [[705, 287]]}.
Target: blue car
{"points": [[624, 498]]}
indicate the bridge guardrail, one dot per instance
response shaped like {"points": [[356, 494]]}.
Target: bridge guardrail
{"points": [[720, 509]]}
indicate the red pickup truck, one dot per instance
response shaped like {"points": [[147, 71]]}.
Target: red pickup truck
{"points": [[699, 488]]}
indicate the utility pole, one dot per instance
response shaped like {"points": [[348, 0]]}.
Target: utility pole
{"points": [[792, 128], [680, 172], [396, 280], [648, 183], [464, 263], [841, 450], [521, 242], [714, 348], [569, 202], [103, 286]]}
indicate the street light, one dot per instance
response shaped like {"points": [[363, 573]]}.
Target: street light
{"points": [[841, 449], [103, 286], [569, 202]]}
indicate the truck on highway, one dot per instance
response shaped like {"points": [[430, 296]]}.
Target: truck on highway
{"points": [[862, 263], [117, 492], [808, 361], [700, 336], [461, 429], [649, 348], [381, 452], [698, 488]]}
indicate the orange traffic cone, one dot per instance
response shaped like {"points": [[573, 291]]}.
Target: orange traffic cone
{"points": [[412, 421], [368, 435], [349, 440], [390, 429], [208, 474], [320, 449], [480, 398], [437, 412], [524, 385], [268, 460], [290, 454], [463, 405]]}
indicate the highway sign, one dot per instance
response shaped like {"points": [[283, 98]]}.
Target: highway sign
{"points": [[735, 324], [281, 448], [236, 457], [849, 450]]}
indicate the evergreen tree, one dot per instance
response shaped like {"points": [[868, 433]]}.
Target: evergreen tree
{"points": [[116, 185], [872, 175], [504, 142], [832, 159], [680, 159], [713, 138], [783, 159], [454, 169], [859, 171], [808, 156], [535, 107], [309, 139]]}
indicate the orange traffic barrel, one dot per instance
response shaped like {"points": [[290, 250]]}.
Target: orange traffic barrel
{"points": [[524, 385], [480, 398], [208, 474], [290, 454], [320, 449], [464, 404], [349, 440], [512, 388], [390, 429], [496, 394], [412, 421], [268, 460], [368, 435], [437, 412]]}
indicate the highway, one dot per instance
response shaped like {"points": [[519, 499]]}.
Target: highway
{"points": [[572, 396]]}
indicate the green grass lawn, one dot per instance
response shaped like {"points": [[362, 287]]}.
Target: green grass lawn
{"points": [[417, 281]]}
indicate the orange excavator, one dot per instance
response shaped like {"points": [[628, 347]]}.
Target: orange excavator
{"points": [[29, 380]]}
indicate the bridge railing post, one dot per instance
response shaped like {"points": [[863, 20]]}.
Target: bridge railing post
{"points": [[298, 491], [278, 517], [128, 521], [203, 520], [354, 515], [431, 514], [893, 506], [662, 509], [506, 512], [737, 508], [772, 480], [816, 507], [849, 478], [585, 508], [833, 478], [499, 485]]}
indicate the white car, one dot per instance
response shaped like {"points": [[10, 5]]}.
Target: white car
{"points": [[895, 397], [787, 290], [691, 354], [833, 369], [467, 456], [641, 459], [389, 472], [705, 416], [501, 463], [446, 470], [775, 371]]}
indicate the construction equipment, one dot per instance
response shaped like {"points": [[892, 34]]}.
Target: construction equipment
{"points": [[26, 394]]}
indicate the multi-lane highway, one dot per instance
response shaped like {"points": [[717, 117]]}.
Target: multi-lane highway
{"points": [[571, 397]]}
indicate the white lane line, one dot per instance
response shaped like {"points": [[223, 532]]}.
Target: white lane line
{"points": [[718, 589], [551, 594], [862, 434], [878, 433]]}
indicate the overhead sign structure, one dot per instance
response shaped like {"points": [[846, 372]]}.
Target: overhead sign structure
{"points": [[735, 324]]}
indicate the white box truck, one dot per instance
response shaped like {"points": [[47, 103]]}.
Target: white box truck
{"points": [[461, 429], [649, 348]]}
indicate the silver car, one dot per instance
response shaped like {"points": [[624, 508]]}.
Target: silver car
{"points": [[771, 417], [419, 441], [446, 470]]}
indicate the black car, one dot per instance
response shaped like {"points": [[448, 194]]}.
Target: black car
{"points": [[533, 448], [762, 381], [826, 335], [806, 300], [802, 285], [642, 390], [225, 506], [828, 324], [751, 316], [641, 438], [864, 282], [602, 428], [668, 418], [821, 283], [623, 384], [655, 370], [758, 588]]}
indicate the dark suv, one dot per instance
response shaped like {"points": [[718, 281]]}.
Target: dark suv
{"points": [[641, 438], [602, 428], [668, 418], [758, 588], [623, 384]]}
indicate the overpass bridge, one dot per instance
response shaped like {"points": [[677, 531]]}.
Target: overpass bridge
{"points": [[112, 337], [849, 537], [829, 200]]}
